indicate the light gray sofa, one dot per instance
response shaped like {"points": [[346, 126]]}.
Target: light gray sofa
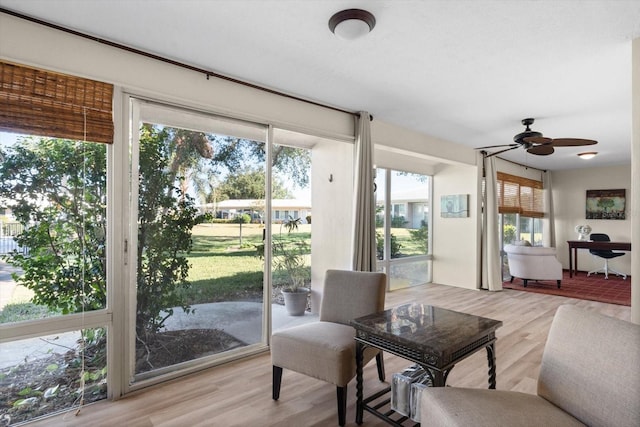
{"points": [[590, 375]]}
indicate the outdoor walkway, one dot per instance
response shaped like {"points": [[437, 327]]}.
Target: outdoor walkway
{"points": [[7, 285]]}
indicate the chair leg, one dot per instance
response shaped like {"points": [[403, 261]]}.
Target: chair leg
{"points": [[511, 281], [559, 284], [525, 282], [277, 380], [380, 364], [341, 393], [606, 270]]}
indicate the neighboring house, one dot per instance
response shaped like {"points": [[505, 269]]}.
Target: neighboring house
{"points": [[281, 209], [409, 204]]}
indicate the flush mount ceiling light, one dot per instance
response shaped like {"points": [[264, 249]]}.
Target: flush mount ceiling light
{"points": [[351, 24], [587, 155]]}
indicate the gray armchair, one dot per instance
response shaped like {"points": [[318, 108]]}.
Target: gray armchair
{"points": [[326, 349], [590, 375]]}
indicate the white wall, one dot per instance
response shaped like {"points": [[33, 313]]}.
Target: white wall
{"points": [[569, 196], [331, 218], [425, 146], [455, 239]]}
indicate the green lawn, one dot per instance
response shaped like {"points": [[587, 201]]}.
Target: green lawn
{"points": [[222, 269]]}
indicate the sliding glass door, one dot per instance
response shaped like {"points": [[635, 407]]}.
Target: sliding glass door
{"points": [[198, 199]]}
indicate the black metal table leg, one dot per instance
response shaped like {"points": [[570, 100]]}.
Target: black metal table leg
{"points": [[491, 357], [359, 385]]}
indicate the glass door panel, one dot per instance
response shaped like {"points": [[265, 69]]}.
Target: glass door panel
{"points": [[291, 230], [200, 192], [402, 227]]}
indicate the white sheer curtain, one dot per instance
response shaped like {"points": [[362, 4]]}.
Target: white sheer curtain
{"points": [[548, 237], [491, 271], [364, 224]]}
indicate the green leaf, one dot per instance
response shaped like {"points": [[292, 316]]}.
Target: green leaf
{"points": [[25, 391]]}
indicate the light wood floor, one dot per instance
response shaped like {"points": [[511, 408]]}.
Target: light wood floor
{"points": [[239, 393]]}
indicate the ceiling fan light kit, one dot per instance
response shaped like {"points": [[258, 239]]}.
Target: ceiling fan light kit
{"points": [[351, 24], [587, 155], [535, 143]]}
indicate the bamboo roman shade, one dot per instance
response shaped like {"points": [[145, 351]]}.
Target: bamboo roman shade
{"points": [[520, 195], [39, 102]]}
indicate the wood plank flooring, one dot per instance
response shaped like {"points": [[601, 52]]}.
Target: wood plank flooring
{"points": [[239, 393]]}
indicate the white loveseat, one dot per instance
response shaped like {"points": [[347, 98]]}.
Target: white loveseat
{"points": [[533, 263]]}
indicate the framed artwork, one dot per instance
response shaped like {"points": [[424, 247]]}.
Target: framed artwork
{"points": [[454, 206], [605, 204]]}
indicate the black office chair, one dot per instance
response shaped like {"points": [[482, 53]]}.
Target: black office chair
{"points": [[606, 254]]}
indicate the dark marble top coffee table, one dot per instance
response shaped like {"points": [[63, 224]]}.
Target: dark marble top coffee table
{"points": [[433, 337]]}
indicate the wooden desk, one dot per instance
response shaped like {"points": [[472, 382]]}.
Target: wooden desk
{"points": [[588, 244], [432, 337]]}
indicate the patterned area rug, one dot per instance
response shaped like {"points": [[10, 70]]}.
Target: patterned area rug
{"points": [[614, 290]]}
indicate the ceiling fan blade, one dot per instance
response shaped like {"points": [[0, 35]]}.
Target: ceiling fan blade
{"points": [[541, 140], [496, 146], [541, 150], [572, 142], [502, 151]]}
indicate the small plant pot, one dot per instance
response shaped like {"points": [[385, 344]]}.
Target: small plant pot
{"points": [[296, 302]]}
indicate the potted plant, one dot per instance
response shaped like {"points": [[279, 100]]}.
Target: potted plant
{"points": [[289, 262], [289, 259]]}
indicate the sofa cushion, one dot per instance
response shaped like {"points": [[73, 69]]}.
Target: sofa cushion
{"points": [[590, 367], [451, 407]]}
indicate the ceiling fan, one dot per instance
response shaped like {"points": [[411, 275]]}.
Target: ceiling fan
{"points": [[537, 144]]}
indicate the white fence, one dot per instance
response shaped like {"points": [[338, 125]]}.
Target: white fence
{"points": [[9, 230]]}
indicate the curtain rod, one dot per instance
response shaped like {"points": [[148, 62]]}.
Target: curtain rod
{"points": [[484, 153], [207, 73]]}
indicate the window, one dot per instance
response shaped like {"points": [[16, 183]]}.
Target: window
{"points": [[402, 227], [521, 209], [520, 195], [53, 181]]}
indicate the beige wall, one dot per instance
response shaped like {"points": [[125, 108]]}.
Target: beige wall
{"points": [[569, 196], [455, 240]]}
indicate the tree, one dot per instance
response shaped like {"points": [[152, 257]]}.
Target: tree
{"points": [[250, 184], [421, 236], [166, 217], [232, 154], [242, 219], [57, 190], [606, 203]]}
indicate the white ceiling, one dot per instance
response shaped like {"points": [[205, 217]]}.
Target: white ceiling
{"points": [[464, 71]]}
